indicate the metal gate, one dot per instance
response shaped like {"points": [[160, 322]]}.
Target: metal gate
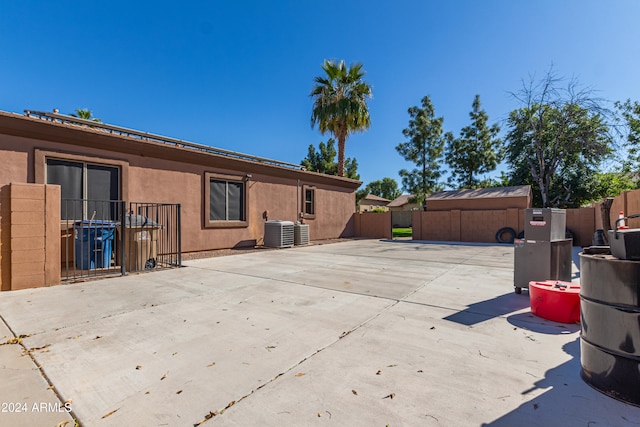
{"points": [[152, 236], [110, 238]]}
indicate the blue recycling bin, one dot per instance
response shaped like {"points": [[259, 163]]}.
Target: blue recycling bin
{"points": [[93, 244]]}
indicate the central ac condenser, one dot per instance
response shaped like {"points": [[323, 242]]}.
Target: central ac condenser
{"points": [[278, 234]]}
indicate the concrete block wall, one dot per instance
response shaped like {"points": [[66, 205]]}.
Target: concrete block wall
{"points": [[30, 236], [582, 222], [373, 225], [627, 202], [5, 238], [482, 225], [435, 226], [632, 207]]}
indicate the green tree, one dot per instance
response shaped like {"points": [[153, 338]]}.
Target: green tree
{"points": [[324, 160], [612, 184], [85, 114], [556, 142], [630, 112], [386, 187], [340, 103], [425, 147], [476, 151]]}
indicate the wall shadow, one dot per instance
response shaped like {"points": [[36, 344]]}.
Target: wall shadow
{"points": [[488, 309], [436, 242]]}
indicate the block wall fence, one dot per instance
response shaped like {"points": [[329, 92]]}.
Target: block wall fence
{"points": [[29, 236]]}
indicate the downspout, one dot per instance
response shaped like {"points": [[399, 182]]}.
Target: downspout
{"points": [[298, 203]]}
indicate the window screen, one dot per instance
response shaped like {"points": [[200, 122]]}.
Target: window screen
{"points": [[102, 186], [309, 202], [226, 201], [218, 201], [82, 185], [68, 175], [235, 201]]}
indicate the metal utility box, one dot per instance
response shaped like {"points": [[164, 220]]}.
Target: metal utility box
{"points": [[540, 261], [544, 253], [546, 224]]}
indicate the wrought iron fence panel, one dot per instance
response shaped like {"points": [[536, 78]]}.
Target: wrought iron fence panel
{"points": [[111, 237]]}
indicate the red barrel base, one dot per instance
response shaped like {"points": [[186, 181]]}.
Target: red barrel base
{"points": [[555, 300]]}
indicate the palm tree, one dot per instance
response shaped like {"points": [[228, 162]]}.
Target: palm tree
{"points": [[340, 103], [85, 114]]}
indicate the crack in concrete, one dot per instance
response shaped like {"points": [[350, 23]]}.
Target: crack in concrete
{"points": [[296, 365], [52, 387], [394, 302]]}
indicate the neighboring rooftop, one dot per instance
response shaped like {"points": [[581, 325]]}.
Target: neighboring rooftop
{"points": [[483, 193], [373, 197], [400, 201]]}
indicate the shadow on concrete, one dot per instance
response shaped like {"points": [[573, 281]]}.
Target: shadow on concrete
{"points": [[531, 322], [435, 242], [567, 397], [488, 309]]}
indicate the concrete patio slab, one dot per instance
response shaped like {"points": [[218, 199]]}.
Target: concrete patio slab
{"points": [[26, 398], [356, 333]]}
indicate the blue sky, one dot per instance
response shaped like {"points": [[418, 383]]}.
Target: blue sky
{"points": [[237, 74]]}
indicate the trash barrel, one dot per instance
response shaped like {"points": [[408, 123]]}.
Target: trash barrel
{"points": [[140, 243], [610, 336], [93, 244]]}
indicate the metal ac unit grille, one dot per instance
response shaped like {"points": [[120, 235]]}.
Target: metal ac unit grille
{"points": [[301, 234], [278, 234]]}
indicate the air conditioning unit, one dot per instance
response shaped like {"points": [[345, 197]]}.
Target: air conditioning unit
{"points": [[301, 234], [278, 234]]}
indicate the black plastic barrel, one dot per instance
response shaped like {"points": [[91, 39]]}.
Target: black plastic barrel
{"points": [[610, 320]]}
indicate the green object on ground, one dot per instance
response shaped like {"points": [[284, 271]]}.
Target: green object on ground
{"points": [[402, 232]]}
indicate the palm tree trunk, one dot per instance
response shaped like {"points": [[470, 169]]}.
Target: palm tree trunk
{"points": [[341, 145]]}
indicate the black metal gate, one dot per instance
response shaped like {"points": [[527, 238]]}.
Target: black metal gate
{"points": [[108, 238]]}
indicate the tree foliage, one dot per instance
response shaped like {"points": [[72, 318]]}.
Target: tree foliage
{"points": [[424, 147], [385, 187], [612, 184], [324, 160], [85, 114], [630, 112], [340, 103], [556, 142], [476, 151]]}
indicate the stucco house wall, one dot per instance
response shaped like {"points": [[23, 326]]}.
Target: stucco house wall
{"points": [[168, 173]]}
